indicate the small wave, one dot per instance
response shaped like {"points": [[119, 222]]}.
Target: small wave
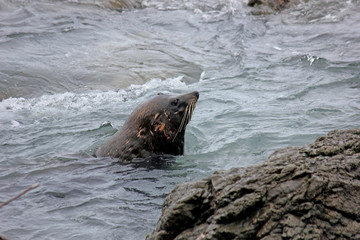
{"points": [[64, 101], [308, 59], [109, 4], [322, 87], [311, 59], [15, 123], [330, 11], [228, 6], [91, 101], [212, 6], [106, 124], [170, 84]]}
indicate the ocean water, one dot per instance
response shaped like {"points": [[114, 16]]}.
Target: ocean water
{"points": [[72, 71]]}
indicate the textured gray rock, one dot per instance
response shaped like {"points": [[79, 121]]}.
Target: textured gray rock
{"points": [[267, 6], [121, 5], [310, 192]]}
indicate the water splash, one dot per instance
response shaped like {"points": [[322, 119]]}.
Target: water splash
{"points": [[91, 101]]}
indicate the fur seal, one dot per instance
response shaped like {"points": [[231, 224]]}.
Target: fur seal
{"points": [[156, 127]]}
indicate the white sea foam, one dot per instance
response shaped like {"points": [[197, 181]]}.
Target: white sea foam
{"points": [[90, 101], [170, 84], [209, 7], [311, 59], [15, 123]]}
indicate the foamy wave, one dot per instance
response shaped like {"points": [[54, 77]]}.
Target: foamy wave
{"points": [[63, 101], [168, 85], [209, 6], [204, 6], [91, 101]]}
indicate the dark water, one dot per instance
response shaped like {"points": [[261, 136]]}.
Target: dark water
{"points": [[72, 71]]}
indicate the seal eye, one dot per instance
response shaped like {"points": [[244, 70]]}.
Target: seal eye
{"points": [[174, 102]]}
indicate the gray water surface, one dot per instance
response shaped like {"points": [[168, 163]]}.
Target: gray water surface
{"points": [[72, 71]]}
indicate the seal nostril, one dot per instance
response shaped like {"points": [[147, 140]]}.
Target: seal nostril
{"points": [[196, 94]]}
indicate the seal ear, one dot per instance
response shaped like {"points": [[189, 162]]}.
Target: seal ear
{"points": [[160, 93]]}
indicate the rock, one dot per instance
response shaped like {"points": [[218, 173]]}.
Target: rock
{"points": [[122, 5], [310, 192], [268, 6]]}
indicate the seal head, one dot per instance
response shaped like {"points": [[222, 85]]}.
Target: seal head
{"points": [[156, 127]]}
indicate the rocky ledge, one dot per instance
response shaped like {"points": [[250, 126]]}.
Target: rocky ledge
{"points": [[310, 192]]}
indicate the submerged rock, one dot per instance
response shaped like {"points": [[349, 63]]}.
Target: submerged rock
{"points": [[310, 192]]}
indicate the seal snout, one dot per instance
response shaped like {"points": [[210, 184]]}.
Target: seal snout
{"points": [[196, 94]]}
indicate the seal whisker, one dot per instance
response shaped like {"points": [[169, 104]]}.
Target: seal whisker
{"points": [[187, 114], [186, 117], [192, 105], [191, 110], [183, 122]]}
